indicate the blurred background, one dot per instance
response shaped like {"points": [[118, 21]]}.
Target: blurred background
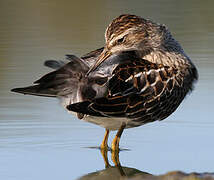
{"points": [[39, 140]]}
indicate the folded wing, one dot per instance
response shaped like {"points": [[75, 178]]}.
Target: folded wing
{"points": [[139, 90]]}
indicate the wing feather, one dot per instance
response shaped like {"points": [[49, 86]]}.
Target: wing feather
{"points": [[139, 90]]}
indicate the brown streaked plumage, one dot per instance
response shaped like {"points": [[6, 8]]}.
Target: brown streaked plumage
{"points": [[141, 75]]}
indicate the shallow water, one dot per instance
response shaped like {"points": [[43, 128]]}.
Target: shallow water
{"points": [[39, 140]]}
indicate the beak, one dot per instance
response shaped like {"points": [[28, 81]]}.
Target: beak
{"points": [[103, 56]]}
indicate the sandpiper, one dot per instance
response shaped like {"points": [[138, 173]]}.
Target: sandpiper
{"points": [[141, 75]]}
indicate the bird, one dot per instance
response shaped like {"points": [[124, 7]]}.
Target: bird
{"points": [[140, 75]]}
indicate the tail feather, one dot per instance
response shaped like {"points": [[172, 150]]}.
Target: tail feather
{"points": [[54, 64], [34, 90], [61, 82]]}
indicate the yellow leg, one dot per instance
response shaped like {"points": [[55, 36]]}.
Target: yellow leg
{"points": [[115, 158], [116, 161], [104, 153], [104, 144], [116, 140]]}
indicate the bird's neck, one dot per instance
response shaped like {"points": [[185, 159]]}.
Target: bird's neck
{"points": [[172, 59], [176, 60]]}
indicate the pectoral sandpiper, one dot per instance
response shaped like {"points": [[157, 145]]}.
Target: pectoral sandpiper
{"points": [[141, 75]]}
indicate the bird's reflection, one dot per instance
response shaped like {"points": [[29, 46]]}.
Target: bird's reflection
{"points": [[115, 172], [119, 172]]}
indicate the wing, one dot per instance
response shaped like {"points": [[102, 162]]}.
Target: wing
{"points": [[94, 53], [63, 81], [89, 58], [139, 90]]}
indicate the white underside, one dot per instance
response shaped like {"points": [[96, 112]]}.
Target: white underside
{"points": [[107, 122], [110, 123]]}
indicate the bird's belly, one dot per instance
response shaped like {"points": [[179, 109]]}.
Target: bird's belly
{"points": [[111, 123]]}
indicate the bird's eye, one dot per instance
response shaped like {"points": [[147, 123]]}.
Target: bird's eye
{"points": [[121, 40]]}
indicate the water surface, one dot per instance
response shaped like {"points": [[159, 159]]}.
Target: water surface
{"points": [[39, 140]]}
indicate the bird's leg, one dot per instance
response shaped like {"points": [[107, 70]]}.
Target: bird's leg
{"points": [[104, 144], [116, 161], [115, 158], [116, 140], [104, 153]]}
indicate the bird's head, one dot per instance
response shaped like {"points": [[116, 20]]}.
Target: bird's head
{"points": [[131, 33]]}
